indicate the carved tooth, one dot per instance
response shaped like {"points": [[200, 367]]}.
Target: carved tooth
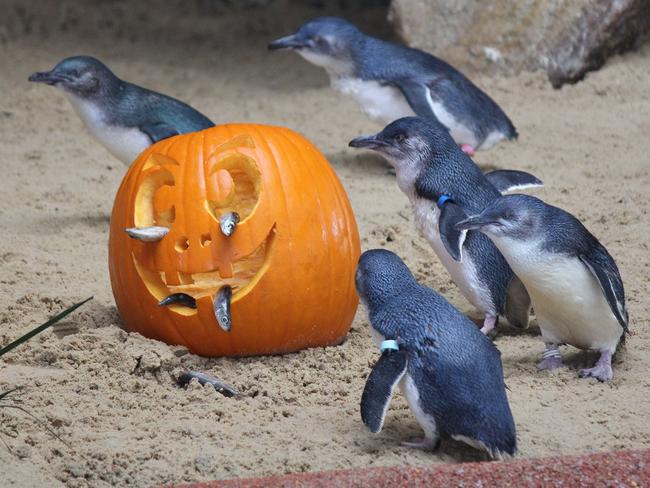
{"points": [[222, 307], [178, 298], [228, 222], [147, 234]]}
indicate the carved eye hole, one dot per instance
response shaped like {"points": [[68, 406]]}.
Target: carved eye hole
{"points": [[153, 202], [234, 183]]}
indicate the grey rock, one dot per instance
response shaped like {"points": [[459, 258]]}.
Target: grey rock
{"points": [[606, 28], [565, 38]]}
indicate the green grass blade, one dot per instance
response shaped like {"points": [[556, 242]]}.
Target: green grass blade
{"points": [[42, 327]]}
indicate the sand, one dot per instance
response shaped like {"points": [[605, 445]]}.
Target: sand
{"points": [[111, 395]]}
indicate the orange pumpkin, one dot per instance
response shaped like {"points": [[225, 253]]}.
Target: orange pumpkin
{"points": [[290, 261]]}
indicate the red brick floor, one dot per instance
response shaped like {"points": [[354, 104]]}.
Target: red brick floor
{"points": [[610, 469]]}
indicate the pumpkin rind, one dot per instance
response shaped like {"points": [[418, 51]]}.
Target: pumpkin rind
{"points": [[292, 257]]}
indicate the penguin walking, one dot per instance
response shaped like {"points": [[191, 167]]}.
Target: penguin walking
{"points": [[574, 283], [124, 117], [444, 186], [390, 81], [450, 373]]}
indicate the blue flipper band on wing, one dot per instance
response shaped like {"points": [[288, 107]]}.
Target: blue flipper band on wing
{"points": [[441, 201], [389, 345]]}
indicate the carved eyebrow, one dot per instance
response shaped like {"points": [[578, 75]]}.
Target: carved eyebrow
{"points": [[243, 140], [159, 160], [223, 158]]}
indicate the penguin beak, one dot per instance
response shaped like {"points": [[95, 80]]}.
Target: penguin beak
{"points": [[48, 77], [287, 42], [473, 223], [368, 142]]}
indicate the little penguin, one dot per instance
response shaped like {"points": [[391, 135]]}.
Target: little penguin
{"points": [[450, 373], [124, 117], [390, 81], [574, 284], [445, 186]]}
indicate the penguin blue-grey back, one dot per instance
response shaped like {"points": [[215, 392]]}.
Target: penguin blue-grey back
{"points": [[391, 81], [124, 117], [450, 373], [444, 185], [574, 283]]}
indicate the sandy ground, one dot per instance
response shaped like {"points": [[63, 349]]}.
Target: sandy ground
{"points": [[110, 395]]}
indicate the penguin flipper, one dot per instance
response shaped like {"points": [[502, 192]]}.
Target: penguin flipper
{"points": [[610, 283], [517, 308], [453, 239], [417, 95], [159, 131], [386, 373], [509, 180]]}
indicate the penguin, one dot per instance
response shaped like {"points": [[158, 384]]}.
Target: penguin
{"points": [[574, 283], [445, 186], [124, 117], [390, 81], [450, 373]]}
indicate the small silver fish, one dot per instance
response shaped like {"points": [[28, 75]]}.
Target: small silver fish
{"points": [[147, 234], [222, 307], [220, 386], [228, 222], [178, 298]]}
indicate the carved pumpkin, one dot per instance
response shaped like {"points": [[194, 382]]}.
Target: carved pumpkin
{"points": [[289, 264]]}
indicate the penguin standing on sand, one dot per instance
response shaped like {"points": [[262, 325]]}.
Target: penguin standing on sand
{"points": [[124, 117], [390, 81], [449, 372], [444, 187], [574, 283]]}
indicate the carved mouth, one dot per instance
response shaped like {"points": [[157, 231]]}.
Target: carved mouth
{"points": [[247, 271]]}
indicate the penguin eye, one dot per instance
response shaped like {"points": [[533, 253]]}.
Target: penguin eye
{"points": [[400, 138], [508, 216], [319, 41]]}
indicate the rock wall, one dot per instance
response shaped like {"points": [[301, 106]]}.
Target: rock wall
{"points": [[565, 37]]}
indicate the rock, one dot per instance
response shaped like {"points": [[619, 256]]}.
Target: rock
{"points": [[608, 27], [566, 38]]}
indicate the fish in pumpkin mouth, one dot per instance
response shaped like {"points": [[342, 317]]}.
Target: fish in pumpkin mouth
{"points": [[194, 286]]}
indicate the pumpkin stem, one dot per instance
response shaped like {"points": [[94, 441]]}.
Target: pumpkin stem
{"points": [[228, 222], [147, 234], [221, 307]]}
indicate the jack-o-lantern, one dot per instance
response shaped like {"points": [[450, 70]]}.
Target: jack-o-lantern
{"points": [[236, 240]]}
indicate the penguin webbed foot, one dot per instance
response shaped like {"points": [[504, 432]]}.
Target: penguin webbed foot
{"points": [[423, 443], [489, 324], [551, 359], [203, 379], [602, 370], [549, 364], [467, 149]]}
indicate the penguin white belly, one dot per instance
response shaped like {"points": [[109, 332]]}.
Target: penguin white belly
{"points": [[125, 143], [459, 132], [463, 272], [426, 421], [569, 304], [377, 101], [493, 138]]}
